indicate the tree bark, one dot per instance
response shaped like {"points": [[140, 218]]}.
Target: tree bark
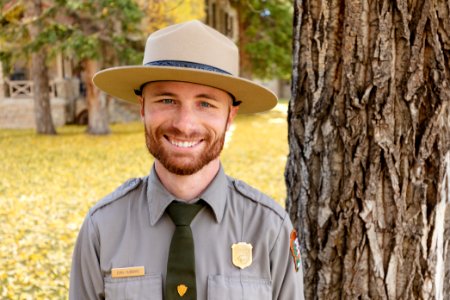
{"points": [[96, 101], [368, 172], [2, 83], [245, 65], [39, 74]]}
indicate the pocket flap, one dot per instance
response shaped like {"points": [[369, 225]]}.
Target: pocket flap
{"points": [[235, 287], [142, 287]]}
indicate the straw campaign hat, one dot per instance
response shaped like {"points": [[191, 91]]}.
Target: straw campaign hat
{"points": [[190, 52]]}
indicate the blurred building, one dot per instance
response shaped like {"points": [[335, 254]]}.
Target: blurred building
{"points": [[67, 90], [223, 17], [16, 95]]}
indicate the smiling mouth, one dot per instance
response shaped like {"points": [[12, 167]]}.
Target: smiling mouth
{"points": [[183, 144]]}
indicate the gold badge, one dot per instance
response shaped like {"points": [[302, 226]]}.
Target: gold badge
{"points": [[242, 255], [182, 289]]}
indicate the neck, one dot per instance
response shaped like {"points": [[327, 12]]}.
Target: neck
{"points": [[187, 187]]}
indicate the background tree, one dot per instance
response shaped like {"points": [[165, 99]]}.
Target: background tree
{"points": [[265, 37], [95, 34], [39, 71], [368, 169], [22, 27], [98, 34]]}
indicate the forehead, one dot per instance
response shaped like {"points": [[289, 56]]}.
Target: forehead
{"points": [[179, 88]]}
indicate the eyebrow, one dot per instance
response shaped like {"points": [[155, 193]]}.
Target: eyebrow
{"points": [[234, 102], [160, 94], [169, 94], [206, 96]]}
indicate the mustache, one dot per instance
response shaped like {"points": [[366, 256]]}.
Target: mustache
{"points": [[175, 132]]}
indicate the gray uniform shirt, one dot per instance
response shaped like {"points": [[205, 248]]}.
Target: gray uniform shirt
{"points": [[129, 228]]}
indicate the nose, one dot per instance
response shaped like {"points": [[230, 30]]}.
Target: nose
{"points": [[185, 119]]}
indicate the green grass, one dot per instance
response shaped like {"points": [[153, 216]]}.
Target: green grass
{"points": [[47, 185]]}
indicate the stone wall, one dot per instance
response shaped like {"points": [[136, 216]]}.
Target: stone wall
{"points": [[281, 88], [122, 112], [19, 113]]}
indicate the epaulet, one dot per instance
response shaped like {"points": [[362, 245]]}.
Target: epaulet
{"points": [[259, 197], [121, 191]]}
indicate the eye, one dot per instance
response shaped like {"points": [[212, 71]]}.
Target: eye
{"points": [[205, 104], [167, 101]]}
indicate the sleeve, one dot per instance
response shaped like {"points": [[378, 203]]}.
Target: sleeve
{"points": [[287, 279], [86, 279]]}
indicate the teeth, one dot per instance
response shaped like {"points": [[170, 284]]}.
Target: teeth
{"points": [[183, 144]]}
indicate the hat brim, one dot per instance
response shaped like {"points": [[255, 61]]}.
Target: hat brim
{"points": [[121, 82]]}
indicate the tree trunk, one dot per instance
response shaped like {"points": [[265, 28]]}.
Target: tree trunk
{"points": [[39, 74], [368, 172], [96, 101], [245, 65], [2, 83]]}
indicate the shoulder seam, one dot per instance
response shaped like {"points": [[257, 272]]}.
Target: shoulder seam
{"points": [[259, 197], [279, 231], [121, 191]]}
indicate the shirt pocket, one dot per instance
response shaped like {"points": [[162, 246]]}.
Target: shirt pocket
{"points": [[148, 287], [222, 287]]}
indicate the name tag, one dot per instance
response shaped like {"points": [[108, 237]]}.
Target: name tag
{"points": [[127, 272]]}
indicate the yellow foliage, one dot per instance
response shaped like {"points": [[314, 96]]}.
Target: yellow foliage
{"points": [[183, 11], [12, 12], [47, 185], [161, 13]]}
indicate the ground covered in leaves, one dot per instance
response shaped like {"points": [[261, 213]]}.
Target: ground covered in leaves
{"points": [[47, 185]]}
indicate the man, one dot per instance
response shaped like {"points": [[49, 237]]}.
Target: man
{"points": [[186, 231]]}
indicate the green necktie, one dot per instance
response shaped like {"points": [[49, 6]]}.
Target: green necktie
{"points": [[180, 278]]}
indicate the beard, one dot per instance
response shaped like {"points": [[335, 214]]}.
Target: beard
{"points": [[183, 164]]}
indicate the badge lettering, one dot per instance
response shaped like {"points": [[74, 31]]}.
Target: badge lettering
{"points": [[127, 272]]}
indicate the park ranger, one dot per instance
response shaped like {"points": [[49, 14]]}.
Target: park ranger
{"points": [[187, 230]]}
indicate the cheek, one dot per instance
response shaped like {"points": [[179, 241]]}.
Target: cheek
{"points": [[149, 119], [155, 121], [219, 125], [142, 107]]}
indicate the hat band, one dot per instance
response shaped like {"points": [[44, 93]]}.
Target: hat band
{"points": [[185, 64]]}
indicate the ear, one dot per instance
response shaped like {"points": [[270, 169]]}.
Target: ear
{"points": [[233, 112], [142, 110]]}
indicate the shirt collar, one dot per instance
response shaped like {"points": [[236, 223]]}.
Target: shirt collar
{"points": [[215, 195]]}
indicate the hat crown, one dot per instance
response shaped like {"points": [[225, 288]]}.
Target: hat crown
{"points": [[193, 42], [188, 52]]}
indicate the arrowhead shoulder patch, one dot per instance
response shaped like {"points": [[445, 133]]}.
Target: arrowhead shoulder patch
{"points": [[295, 250]]}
